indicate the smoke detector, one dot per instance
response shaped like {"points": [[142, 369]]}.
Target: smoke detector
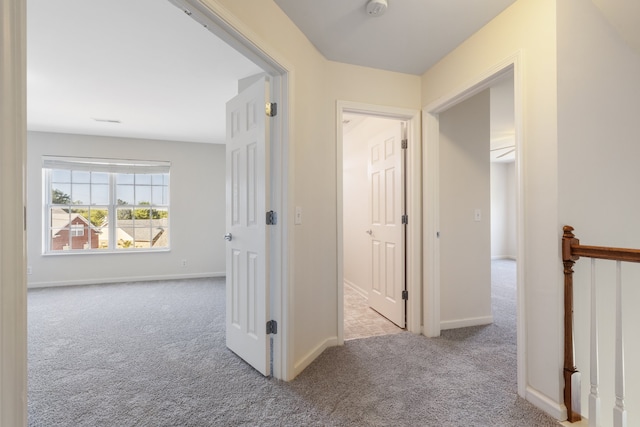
{"points": [[376, 7]]}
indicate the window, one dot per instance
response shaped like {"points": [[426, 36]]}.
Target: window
{"points": [[105, 205], [77, 230]]}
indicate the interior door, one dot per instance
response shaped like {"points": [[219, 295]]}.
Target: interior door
{"points": [[246, 252], [387, 231]]}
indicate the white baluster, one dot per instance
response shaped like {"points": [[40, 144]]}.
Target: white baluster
{"points": [[619, 412], [594, 396]]}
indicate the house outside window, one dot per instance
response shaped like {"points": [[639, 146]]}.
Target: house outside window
{"points": [[77, 230], [105, 205]]}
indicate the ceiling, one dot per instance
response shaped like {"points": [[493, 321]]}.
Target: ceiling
{"points": [[623, 16], [409, 38], [144, 69], [143, 63]]}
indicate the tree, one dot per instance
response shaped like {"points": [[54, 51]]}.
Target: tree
{"points": [[125, 214], [149, 213], [60, 198]]}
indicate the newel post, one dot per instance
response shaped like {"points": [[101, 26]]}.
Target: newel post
{"points": [[571, 374]]}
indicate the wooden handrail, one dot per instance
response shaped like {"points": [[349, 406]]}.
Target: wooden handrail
{"points": [[572, 250], [601, 252]]}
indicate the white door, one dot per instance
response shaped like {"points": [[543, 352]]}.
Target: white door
{"points": [[386, 205], [246, 189]]}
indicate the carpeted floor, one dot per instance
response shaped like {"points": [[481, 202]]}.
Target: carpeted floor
{"points": [[153, 354]]}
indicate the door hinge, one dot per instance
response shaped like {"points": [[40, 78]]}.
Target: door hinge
{"points": [[405, 219], [272, 327], [405, 144], [271, 109], [272, 218], [405, 295]]}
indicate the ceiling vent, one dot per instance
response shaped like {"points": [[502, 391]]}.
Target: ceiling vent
{"points": [[376, 7]]}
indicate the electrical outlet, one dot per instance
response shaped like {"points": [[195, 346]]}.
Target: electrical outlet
{"points": [[477, 215], [29, 271], [183, 263]]}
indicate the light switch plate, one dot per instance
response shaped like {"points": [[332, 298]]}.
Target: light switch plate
{"points": [[298, 217]]}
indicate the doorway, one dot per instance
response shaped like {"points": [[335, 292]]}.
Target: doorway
{"points": [[503, 199], [363, 130], [374, 241], [278, 79], [432, 114]]}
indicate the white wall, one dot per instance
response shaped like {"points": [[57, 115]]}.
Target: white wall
{"points": [[503, 212], [356, 218], [196, 215], [598, 132], [512, 202], [528, 27], [498, 210], [355, 186], [465, 244]]}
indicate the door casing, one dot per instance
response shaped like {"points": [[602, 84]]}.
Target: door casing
{"points": [[413, 193], [431, 206], [13, 304]]}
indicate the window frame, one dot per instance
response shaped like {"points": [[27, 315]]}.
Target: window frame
{"points": [[113, 168]]}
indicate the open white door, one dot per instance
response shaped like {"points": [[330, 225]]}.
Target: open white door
{"points": [[386, 205], [247, 295]]}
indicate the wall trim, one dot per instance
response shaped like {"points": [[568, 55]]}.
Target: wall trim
{"points": [[313, 354], [556, 410], [465, 323], [106, 280], [511, 257]]}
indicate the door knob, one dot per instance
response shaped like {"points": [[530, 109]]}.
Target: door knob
{"points": [[369, 232], [228, 237]]}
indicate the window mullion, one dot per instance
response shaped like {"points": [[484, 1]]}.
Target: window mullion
{"points": [[47, 214], [112, 212]]}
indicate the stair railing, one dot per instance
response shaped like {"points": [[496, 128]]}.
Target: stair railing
{"points": [[572, 250]]}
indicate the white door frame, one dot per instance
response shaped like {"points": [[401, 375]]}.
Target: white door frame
{"points": [[13, 304], [229, 29], [13, 279], [413, 192], [431, 201]]}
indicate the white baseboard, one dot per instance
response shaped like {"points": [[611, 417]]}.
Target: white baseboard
{"points": [[356, 288], [104, 280], [313, 355], [511, 257], [555, 409], [464, 323]]}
